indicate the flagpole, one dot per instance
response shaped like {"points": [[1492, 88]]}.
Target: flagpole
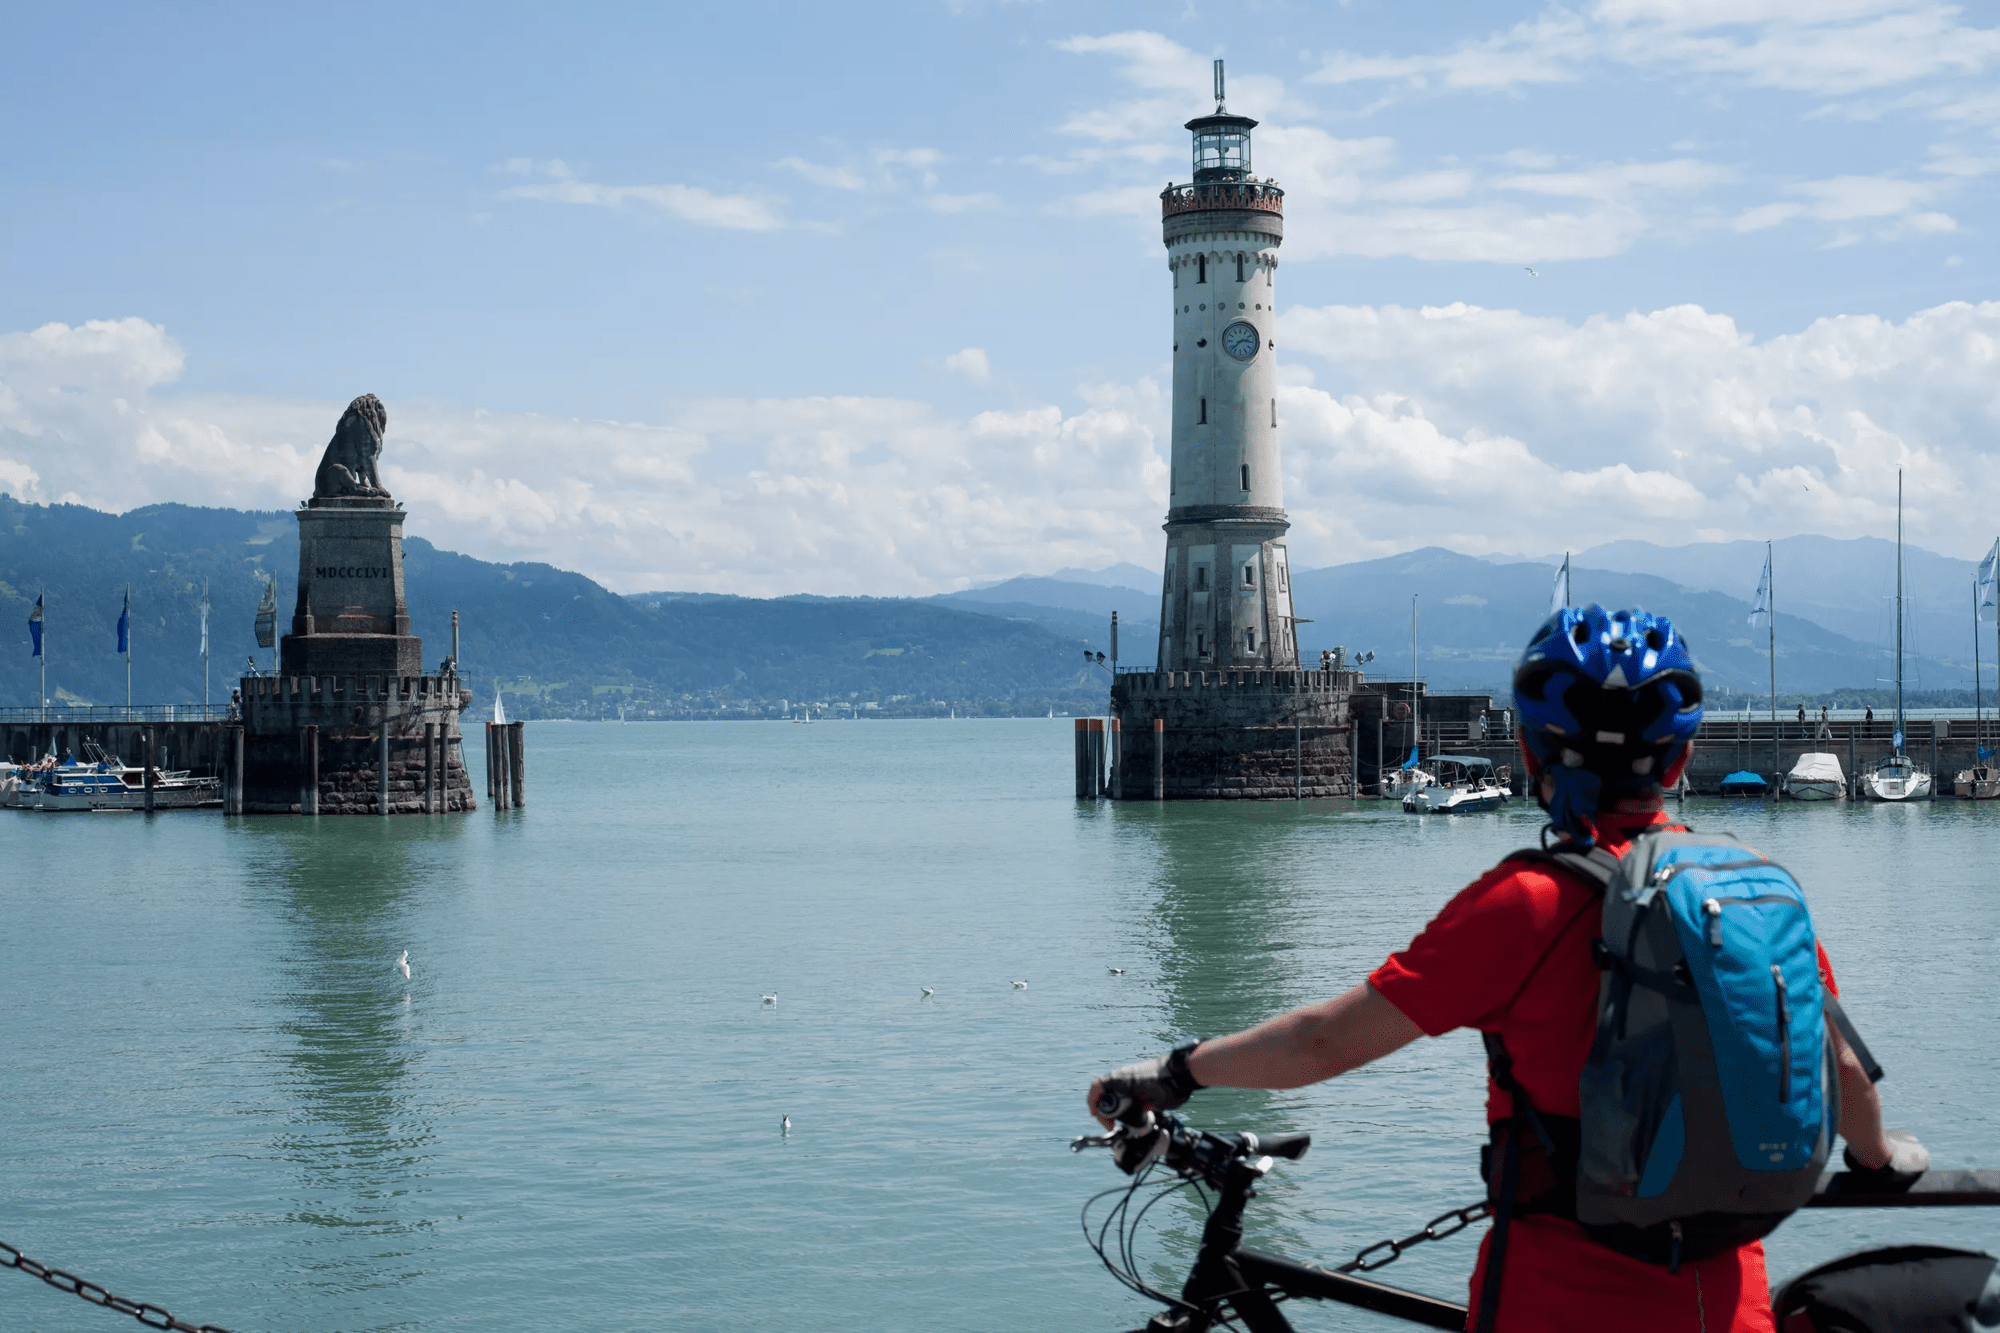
{"points": [[127, 618], [41, 600], [204, 648]]}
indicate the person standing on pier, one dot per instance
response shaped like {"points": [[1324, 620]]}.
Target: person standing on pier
{"points": [[1608, 708]]}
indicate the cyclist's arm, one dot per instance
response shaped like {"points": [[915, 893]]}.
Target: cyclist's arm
{"points": [[1306, 1045], [1860, 1106]]}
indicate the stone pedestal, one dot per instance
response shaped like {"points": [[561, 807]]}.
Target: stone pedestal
{"points": [[1235, 735], [343, 767], [351, 617]]}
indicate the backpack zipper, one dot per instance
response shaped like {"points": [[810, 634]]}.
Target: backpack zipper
{"points": [[1784, 1035]]}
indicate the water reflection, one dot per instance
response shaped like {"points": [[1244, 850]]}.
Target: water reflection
{"points": [[358, 1136]]}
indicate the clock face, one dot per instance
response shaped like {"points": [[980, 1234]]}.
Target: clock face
{"points": [[1240, 341]]}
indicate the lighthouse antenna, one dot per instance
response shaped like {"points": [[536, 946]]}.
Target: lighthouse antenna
{"points": [[1218, 87]]}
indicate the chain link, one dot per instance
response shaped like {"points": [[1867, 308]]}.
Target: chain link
{"points": [[1435, 1229], [152, 1316]]}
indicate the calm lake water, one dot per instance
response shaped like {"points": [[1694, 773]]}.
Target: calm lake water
{"points": [[218, 1094]]}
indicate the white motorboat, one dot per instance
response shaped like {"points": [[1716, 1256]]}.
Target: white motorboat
{"points": [[107, 784], [1465, 784], [1815, 777]]}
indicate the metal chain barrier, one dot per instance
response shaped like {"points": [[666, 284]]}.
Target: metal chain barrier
{"points": [[152, 1316], [1435, 1229]]}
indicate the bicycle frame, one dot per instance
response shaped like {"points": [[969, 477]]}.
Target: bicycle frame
{"points": [[1249, 1284]]}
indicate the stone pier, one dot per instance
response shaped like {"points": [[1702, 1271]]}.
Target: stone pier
{"points": [[1234, 735]]}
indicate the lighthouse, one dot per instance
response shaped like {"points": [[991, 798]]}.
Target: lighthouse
{"points": [[1227, 713], [1226, 597]]}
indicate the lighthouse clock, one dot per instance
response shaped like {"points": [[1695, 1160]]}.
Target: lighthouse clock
{"points": [[1226, 599]]}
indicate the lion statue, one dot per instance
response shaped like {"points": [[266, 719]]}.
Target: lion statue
{"points": [[348, 466]]}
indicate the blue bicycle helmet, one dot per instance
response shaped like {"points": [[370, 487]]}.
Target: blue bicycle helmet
{"points": [[1609, 702]]}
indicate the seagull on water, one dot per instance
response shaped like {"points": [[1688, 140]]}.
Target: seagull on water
{"points": [[772, 998], [784, 1124], [403, 964], [927, 992], [1020, 985], [1117, 971]]}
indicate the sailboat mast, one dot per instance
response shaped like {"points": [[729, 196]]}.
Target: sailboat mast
{"points": [[1416, 724], [1771, 628], [1978, 708], [1899, 613]]}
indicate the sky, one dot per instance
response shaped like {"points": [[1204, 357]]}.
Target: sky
{"points": [[871, 299]]}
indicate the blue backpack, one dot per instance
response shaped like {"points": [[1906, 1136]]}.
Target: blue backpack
{"points": [[1711, 1097]]}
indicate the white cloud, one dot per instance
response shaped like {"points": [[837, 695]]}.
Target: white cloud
{"points": [[971, 363], [1852, 199], [1835, 48], [1673, 421], [834, 178], [690, 203], [960, 203]]}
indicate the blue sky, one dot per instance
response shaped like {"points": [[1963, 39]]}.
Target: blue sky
{"points": [[871, 299]]}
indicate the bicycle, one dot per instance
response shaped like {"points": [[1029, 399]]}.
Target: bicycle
{"points": [[1230, 1284]]}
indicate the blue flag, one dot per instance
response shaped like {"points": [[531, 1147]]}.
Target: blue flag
{"points": [[1899, 740], [1411, 762], [125, 624], [35, 627]]}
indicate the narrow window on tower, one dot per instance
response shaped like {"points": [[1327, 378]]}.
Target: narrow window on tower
{"points": [[1246, 476], [1200, 644], [1239, 268], [1201, 578], [1204, 413], [1201, 268], [1250, 576], [1274, 414], [1249, 640]]}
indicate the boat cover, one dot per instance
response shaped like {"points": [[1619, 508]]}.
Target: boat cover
{"points": [[1817, 768], [1743, 777]]}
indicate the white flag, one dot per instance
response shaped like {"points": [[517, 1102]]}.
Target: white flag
{"points": [[1761, 611], [1989, 583], [204, 629], [1559, 593]]}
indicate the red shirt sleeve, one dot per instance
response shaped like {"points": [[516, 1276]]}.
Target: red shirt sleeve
{"points": [[1469, 963], [1826, 971]]}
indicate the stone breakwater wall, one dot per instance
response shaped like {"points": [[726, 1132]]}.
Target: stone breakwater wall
{"points": [[1232, 735], [353, 745]]}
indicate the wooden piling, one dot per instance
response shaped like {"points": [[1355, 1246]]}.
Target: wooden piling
{"points": [[1159, 759], [430, 767], [1117, 758], [1353, 757], [310, 739], [149, 770], [1853, 778], [233, 805], [1082, 760], [1298, 758], [517, 763], [1378, 748], [1937, 778], [382, 769]]}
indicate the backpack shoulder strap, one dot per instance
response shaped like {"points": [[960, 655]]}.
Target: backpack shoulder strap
{"points": [[1595, 865]]}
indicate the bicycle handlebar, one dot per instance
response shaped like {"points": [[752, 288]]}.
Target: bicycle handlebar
{"points": [[1191, 1151]]}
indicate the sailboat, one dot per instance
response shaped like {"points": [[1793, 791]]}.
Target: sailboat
{"points": [[1981, 782], [1897, 777], [1410, 779]]}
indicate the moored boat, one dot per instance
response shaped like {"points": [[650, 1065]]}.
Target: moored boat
{"points": [[1465, 784], [1405, 782], [1815, 777], [1981, 782], [107, 784], [1897, 777], [1744, 783]]}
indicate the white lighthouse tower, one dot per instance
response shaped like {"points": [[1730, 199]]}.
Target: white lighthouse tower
{"points": [[1226, 597]]}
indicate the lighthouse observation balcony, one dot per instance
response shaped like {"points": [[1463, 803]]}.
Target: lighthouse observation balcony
{"points": [[1262, 196], [1204, 207]]}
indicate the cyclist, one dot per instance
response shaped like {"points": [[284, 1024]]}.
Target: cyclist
{"points": [[1511, 954]]}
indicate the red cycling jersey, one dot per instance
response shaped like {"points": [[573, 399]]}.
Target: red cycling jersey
{"points": [[1511, 954]]}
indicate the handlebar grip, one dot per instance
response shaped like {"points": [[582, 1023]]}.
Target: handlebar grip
{"points": [[1292, 1146]]}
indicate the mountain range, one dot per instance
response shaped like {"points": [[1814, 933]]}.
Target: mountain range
{"points": [[560, 644]]}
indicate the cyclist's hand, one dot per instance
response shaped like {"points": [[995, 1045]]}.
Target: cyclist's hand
{"points": [[1906, 1158], [1146, 1085]]}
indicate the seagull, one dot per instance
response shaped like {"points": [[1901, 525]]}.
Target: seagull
{"points": [[1020, 985], [403, 964], [772, 998], [1117, 971], [927, 992], [784, 1124], [1531, 272]]}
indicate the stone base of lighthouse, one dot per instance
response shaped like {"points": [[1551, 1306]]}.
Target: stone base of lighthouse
{"points": [[1233, 735]]}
